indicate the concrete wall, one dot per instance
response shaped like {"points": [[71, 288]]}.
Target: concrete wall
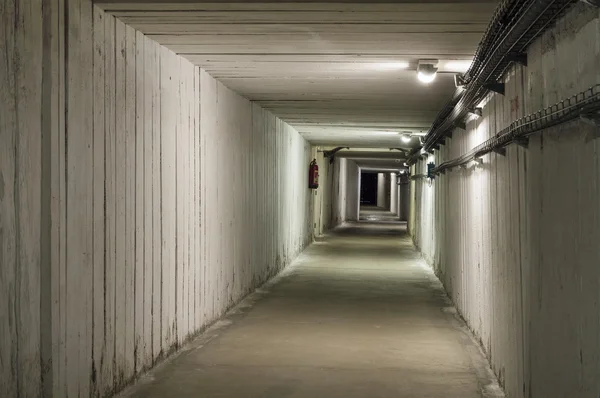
{"points": [[341, 196], [324, 195], [394, 193], [381, 190], [338, 192], [515, 240], [255, 184], [139, 199], [328, 189], [404, 201], [352, 191]]}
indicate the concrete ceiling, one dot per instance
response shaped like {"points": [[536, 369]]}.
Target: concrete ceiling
{"points": [[327, 68], [375, 159]]}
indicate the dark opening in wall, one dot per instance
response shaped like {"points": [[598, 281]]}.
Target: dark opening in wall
{"points": [[368, 189]]}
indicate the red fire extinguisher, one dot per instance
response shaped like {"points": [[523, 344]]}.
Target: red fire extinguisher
{"points": [[313, 175]]}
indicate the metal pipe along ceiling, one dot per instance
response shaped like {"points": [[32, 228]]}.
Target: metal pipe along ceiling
{"points": [[494, 32], [526, 21], [580, 105]]}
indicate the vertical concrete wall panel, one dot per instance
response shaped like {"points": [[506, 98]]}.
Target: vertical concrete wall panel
{"points": [[381, 189], [511, 239], [20, 207], [341, 192], [272, 177], [98, 182], [129, 188], [323, 218], [352, 191], [404, 201], [394, 193]]}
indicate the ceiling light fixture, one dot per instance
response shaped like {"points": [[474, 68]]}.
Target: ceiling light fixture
{"points": [[386, 132], [427, 70], [391, 65], [458, 66]]}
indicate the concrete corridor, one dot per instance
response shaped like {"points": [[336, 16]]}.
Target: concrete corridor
{"points": [[357, 315]]}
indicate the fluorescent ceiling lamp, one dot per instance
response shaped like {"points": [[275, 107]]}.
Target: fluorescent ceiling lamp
{"points": [[386, 132], [458, 66], [391, 65]]}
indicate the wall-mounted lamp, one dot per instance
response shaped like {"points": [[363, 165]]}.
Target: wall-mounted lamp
{"points": [[406, 138], [427, 70], [477, 112]]}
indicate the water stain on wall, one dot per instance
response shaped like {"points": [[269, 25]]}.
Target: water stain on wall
{"points": [[1, 187]]}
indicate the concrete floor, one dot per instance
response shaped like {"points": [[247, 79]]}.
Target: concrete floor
{"points": [[358, 315]]}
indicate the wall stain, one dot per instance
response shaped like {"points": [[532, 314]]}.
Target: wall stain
{"points": [[1, 187]]}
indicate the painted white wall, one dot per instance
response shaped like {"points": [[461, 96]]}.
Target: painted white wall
{"points": [[394, 193], [381, 190], [404, 201], [138, 202], [341, 195], [339, 191], [515, 240], [326, 171], [352, 191]]}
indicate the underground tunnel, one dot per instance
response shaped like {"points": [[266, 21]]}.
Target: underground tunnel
{"points": [[300, 198]]}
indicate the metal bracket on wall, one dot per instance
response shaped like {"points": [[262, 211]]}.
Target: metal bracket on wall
{"points": [[331, 154], [500, 151], [460, 125], [592, 119], [520, 58], [522, 142], [495, 87], [594, 3]]}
